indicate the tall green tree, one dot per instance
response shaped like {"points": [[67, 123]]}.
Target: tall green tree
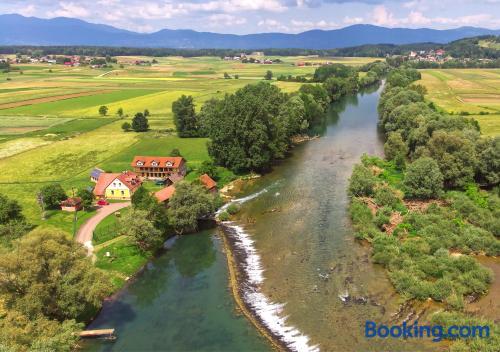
{"points": [[86, 196], [269, 75], [140, 123], [423, 179], [49, 274], [245, 128], [10, 210], [53, 195], [189, 203], [138, 225], [103, 110], [185, 119]]}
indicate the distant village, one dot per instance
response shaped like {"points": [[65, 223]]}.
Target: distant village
{"points": [[257, 57], [438, 55]]}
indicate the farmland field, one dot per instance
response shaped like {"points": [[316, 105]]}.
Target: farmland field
{"points": [[474, 92], [51, 129]]}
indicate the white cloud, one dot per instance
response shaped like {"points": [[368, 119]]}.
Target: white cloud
{"points": [[222, 19], [299, 25], [29, 10], [352, 20], [382, 17], [70, 9], [231, 6], [273, 25]]}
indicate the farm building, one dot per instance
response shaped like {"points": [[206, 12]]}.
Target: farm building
{"points": [[71, 204], [164, 195], [95, 173], [209, 183], [116, 185], [157, 167]]}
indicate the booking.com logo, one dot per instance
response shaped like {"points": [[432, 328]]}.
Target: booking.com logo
{"points": [[436, 332]]}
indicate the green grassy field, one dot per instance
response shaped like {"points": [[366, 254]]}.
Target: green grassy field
{"points": [[471, 91], [51, 130]]}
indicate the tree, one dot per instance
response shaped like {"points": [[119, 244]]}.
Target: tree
{"points": [[189, 203], [455, 155], [185, 119], [86, 196], [269, 75], [423, 179], [140, 228], [103, 110], [175, 152], [245, 128], [396, 149], [293, 114], [140, 123], [53, 195], [489, 161], [146, 113], [142, 199], [49, 274], [318, 92], [126, 126], [208, 167], [226, 75], [10, 210], [119, 112], [236, 76]]}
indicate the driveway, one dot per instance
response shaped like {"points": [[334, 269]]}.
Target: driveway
{"points": [[86, 231]]}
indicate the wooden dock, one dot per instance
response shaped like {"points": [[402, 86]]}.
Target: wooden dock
{"points": [[108, 334]]}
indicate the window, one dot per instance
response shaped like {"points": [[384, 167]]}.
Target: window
{"points": [[123, 193], [112, 192]]}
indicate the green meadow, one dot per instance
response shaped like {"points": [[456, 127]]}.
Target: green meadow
{"points": [[474, 92]]}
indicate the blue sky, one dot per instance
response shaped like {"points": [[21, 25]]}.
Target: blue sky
{"points": [[255, 16]]}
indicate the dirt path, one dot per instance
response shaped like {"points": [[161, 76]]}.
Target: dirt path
{"points": [[86, 231]]}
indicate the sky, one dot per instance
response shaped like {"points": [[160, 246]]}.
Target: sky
{"points": [[257, 16]]}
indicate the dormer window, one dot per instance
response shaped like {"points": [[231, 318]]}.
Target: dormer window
{"points": [[140, 163], [168, 163], [154, 163]]}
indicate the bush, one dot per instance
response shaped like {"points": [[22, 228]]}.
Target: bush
{"points": [[224, 216], [362, 181], [423, 179], [385, 196], [126, 126], [233, 209]]}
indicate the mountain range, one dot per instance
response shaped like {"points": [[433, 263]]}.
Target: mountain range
{"points": [[21, 30]]}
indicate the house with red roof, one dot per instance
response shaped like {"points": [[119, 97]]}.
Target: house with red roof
{"points": [[164, 195], [209, 183], [159, 167], [117, 185]]}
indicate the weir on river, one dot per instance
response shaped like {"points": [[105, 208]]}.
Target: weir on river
{"points": [[311, 283]]}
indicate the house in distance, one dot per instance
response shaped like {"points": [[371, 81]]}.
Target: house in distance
{"points": [[156, 167]]}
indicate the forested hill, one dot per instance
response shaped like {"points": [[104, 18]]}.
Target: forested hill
{"points": [[69, 31], [476, 47]]}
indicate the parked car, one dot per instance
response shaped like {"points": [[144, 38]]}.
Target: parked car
{"points": [[102, 202]]}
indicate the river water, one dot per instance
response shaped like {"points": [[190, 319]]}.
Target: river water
{"points": [[297, 231]]}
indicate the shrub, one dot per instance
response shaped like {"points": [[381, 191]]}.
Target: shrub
{"points": [[52, 195], [362, 181], [224, 216], [423, 179], [385, 196], [233, 209]]}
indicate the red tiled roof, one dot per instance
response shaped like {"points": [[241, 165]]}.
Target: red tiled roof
{"points": [[165, 193], [71, 202], [207, 181], [161, 160], [128, 178]]}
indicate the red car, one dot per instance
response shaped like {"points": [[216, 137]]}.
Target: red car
{"points": [[102, 202]]}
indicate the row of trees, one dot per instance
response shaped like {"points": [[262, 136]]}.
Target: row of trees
{"points": [[451, 147]]}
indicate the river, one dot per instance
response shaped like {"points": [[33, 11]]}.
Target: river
{"points": [[297, 231]]}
